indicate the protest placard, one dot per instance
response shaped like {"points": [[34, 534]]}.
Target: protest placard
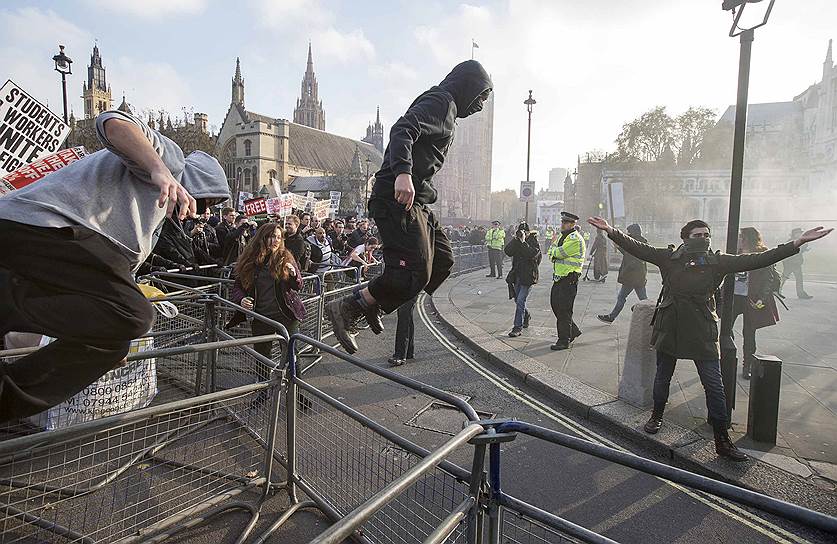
{"points": [[28, 129], [242, 196], [273, 205], [286, 205], [34, 171], [334, 197], [321, 208], [300, 202], [255, 206]]}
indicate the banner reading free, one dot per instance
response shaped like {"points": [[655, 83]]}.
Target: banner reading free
{"points": [[28, 129], [34, 171]]}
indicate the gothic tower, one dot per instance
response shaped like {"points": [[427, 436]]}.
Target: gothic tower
{"points": [[309, 108], [237, 85], [96, 91], [375, 133]]}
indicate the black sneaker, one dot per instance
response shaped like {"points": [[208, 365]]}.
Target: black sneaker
{"points": [[605, 317], [395, 361], [344, 314], [559, 346], [526, 317], [515, 332]]}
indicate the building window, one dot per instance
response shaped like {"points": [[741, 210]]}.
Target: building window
{"points": [[248, 179], [271, 174], [248, 147]]}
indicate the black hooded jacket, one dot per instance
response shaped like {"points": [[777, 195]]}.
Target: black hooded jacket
{"points": [[419, 140]]}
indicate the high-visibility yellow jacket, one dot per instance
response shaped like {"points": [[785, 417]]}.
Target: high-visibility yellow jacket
{"points": [[567, 257], [495, 238]]}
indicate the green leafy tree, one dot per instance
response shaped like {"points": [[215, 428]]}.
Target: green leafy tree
{"points": [[691, 130], [646, 138]]}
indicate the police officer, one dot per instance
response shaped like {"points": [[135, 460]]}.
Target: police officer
{"points": [[495, 240], [686, 324], [567, 256]]}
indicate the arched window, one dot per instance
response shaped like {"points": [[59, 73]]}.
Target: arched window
{"points": [[248, 147], [248, 179], [228, 158]]}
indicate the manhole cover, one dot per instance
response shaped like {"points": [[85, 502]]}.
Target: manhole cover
{"points": [[442, 418]]}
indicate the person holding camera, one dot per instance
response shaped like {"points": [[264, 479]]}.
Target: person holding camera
{"points": [[525, 253], [686, 323], [235, 241]]}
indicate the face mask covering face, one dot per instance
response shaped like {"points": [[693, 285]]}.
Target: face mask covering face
{"points": [[696, 245]]}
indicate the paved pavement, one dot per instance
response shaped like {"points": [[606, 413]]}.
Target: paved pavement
{"points": [[804, 340]]}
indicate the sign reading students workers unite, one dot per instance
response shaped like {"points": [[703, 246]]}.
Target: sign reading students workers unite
{"points": [[28, 129]]}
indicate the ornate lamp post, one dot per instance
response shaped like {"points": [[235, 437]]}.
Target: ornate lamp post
{"points": [[729, 361], [529, 103], [63, 65]]}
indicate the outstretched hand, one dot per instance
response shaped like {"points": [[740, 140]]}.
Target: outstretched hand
{"points": [[600, 223], [811, 235]]}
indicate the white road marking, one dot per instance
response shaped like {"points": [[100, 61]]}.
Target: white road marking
{"points": [[723, 506]]}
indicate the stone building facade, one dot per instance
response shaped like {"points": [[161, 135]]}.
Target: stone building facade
{"points": [[464, 182], [309, 107]]}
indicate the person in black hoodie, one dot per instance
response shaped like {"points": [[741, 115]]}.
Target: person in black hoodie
{"points": [[417, 254], [632, 276], [525, 252]]}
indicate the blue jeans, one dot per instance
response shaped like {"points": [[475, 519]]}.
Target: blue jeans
{"points": [[710, 376], [622, 297], [521, 293]]}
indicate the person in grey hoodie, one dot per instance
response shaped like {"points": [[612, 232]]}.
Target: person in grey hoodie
{"points": [[69, 245]]}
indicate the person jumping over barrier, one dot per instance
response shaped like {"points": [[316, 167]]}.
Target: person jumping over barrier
{"points": [[69, 245], [417, 254]]}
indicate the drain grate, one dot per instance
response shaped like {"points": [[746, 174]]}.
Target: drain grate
{"points": [[442, 418]]}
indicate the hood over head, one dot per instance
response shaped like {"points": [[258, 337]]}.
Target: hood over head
{"points": [[634, 230], [204, 178], [466, 82]]}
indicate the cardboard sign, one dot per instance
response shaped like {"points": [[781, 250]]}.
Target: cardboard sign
{"points": [[300, 202], [32, 172], [255, 206], [28, 129], [286, 205], [273, 205], [321, 208], [242, 196], [334, 197]]}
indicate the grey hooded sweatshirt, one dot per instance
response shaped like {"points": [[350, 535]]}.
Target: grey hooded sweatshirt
{"points": [[111, 195]]}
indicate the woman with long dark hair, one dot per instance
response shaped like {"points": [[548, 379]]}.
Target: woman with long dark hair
{"points": [[267, 280], [753, 296]]}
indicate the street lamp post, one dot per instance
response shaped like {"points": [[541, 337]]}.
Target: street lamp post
{"points": [[529, 103], [729, 361], [366, 186], [63, 65]]}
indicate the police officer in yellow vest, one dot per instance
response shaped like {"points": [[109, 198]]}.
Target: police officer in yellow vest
{"points": [[567, 256], [495, 240]]}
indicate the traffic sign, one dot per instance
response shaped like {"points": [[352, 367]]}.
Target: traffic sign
{"points": [[527, 191]]}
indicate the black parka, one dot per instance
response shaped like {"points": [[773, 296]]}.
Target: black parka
{"points": [[526, 256], [686, 323]]}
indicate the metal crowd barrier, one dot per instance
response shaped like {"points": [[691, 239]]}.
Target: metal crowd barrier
{"points": [[204, 446]]}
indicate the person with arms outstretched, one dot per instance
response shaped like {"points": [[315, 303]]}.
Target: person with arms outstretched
{"points": [[685, 322]]}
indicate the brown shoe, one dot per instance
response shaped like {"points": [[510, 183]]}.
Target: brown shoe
{"points": [[725, 448], [655, 422]]}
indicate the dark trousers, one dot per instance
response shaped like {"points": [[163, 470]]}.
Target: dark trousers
{"points": [[562, 299], [622, 298], [495, 262], [797, 275], [417, 254], [74, 285], [405, 331], [260, 328], [709, 372], [739, 307]]}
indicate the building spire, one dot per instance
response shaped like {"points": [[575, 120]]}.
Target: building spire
{"points": [[378, 116], [310, 67], [828, 58], [238, 84]]}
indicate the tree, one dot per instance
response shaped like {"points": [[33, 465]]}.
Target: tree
{"points": [[691, 129], [647, 138], [506, 207]]}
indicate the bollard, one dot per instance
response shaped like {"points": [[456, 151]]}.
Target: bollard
{"points": [[640, 363], [763, 414]]}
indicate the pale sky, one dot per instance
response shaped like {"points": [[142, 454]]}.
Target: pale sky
{"points": [[592, 64]]}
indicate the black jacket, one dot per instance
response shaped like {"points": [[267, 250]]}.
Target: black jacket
{"points": [[221, 232], [234, 243], [686, 323], [419, 140], [300, 248], [174, 244], [526, 256], [633, 272], [357, 238]]}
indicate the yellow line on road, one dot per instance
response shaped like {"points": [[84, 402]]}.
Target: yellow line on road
{"points": [[723, 506]]}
